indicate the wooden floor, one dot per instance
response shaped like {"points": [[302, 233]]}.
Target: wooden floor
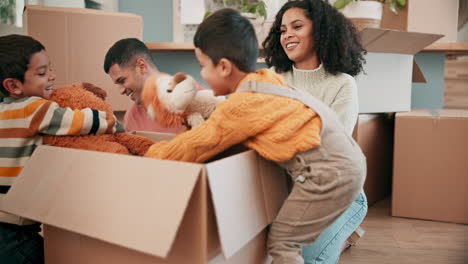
{"points": [[407, 241]]}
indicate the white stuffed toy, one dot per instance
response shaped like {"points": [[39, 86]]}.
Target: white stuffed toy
{"points": [[175, 100]]}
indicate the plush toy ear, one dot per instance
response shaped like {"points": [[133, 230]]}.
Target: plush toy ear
{"points": [[99, 92], [178, 78]]}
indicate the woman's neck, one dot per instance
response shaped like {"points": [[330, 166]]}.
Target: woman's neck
{"points": [[310, 63]]}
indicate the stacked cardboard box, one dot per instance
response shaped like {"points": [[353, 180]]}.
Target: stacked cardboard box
{"points": [[427, 16], [430, 147], [77, 39], [385, 86], [430, 173]]}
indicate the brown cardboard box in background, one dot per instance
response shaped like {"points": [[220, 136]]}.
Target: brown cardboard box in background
{"points": [[374, 134], [430, 173], [426, 16], [109, 208], [77, 40]]}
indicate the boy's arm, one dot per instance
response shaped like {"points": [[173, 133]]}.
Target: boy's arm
{"points": [[234, 121], [52, 119]]}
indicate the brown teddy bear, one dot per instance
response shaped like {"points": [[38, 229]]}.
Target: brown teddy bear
{"points": [[86, 95]]}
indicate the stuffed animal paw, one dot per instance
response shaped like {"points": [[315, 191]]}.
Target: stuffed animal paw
{"points": [[173, 101], [86, 95]]}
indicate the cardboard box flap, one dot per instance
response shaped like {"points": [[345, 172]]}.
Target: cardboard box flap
{"points": [[249, 190], [237, 227], [395, 41], [107, 200], [418, 76], [447, 113]]}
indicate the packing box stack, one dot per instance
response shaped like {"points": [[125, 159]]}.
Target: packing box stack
{"points": [[430, 173], [385, 86], [77, 40], [425, 16]]}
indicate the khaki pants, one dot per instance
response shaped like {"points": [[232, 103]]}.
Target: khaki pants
{"points": [[320, 194]]}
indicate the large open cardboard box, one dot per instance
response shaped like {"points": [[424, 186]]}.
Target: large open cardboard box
{"points": [[430, 173], [77, 40], [109, 208], [426, 16], [385, 85]]}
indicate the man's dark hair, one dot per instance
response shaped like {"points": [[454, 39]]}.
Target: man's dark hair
{"points": [[125, 51], [15, 54], [337, 42], [227, 34]]}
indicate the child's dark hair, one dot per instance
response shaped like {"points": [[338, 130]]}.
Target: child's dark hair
{"points": [[124, 52], [227, 34], [337, 42], [15, 54]]}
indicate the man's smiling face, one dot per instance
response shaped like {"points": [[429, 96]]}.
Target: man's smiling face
{"points": [[129, 81]]}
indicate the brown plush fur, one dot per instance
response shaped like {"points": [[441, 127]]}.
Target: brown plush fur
{"points": [[86, 95]]}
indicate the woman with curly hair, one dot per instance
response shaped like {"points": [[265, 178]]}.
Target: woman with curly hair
{"points": [[316, 49]]}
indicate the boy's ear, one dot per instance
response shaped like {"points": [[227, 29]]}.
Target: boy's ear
{"points": [[13, 86], [225, 66]]}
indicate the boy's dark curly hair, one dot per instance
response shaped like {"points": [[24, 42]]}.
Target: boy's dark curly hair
{"points": [[15, 53], [337, 42]]}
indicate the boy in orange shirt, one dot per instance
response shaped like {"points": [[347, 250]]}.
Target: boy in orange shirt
{"points": [[282, 124]]}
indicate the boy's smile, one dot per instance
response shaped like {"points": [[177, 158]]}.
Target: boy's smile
{"points": [[38, 78]]}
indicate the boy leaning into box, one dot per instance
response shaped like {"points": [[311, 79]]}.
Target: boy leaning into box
{"points": [[282, 124], [26, 83]]}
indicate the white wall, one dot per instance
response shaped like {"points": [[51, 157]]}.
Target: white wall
{"points": [[7, 29]]}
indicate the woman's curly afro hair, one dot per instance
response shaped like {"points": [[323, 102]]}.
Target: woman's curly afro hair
{"points": [[337, 42]]}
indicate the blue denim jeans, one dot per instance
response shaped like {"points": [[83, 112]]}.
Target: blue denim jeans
{"points": [[327, 248], [21, 244]]}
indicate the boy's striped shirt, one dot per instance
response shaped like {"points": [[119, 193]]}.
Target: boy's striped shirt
{"points": [[22, 124]]}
